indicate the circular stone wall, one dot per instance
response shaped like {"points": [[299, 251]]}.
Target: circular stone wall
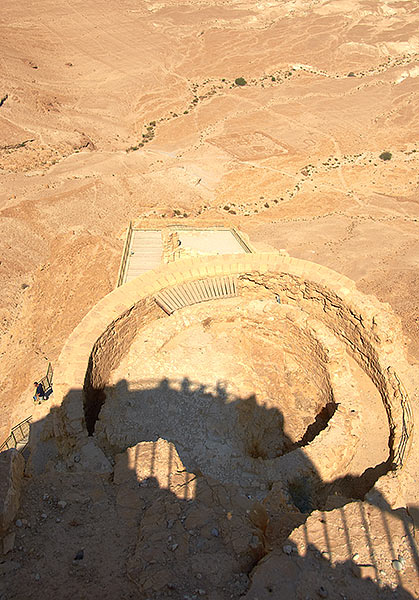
{"points": [[235, 384], [305, 410]]}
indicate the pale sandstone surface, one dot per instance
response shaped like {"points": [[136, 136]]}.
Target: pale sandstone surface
{"points": [[343, 552], [154, 524], [177, 533], [374, 332], [194, 533], [225, 415]]}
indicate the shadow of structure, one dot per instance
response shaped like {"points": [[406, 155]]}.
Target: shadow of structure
{"points": [[158, 502]]}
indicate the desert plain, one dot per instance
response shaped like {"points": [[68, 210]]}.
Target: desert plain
{"points": [[294, 121]]}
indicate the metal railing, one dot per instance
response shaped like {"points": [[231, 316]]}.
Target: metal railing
{"points": [[403, 446], [241, 241], [18, 434], [123, 265], [47, 381]]}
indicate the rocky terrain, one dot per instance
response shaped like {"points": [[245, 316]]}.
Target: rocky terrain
{"points": [[112, 111], [295, 121]]}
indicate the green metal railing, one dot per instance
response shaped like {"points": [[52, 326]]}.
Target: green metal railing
{"points": [[124, 259], [18, 434]]}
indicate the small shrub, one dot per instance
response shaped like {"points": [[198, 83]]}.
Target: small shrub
{"points": [[273, 78], [240, 81], [385, 155]]}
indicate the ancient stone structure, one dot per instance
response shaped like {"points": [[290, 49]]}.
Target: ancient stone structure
{"points": [[327, 308], [11, 473], [239, 425]]}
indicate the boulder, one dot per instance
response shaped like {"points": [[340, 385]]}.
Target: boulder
{"points": [[91, 458], [12, 465]]}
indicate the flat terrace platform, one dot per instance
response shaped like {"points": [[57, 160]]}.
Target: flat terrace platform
{"points": [[211, 241], [145, 248]]}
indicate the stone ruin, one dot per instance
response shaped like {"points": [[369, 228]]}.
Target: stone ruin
{"points": [[226, 399]]}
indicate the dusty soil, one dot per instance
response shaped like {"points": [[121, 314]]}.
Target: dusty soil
{"points": [[292, 157], [119, 110]]}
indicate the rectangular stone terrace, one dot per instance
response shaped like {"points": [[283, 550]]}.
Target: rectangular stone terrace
{"points": [[146, 249]]}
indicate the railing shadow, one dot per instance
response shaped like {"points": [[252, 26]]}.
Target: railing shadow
{"points": [[259, 434], [195, 535]]}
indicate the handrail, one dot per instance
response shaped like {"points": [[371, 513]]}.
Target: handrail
{"points": [[241, 241], [123, 265], [403, 446], [47, 380], [18, 434]]}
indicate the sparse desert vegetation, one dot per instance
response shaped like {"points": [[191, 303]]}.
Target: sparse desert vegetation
{"points": [[385, 156]]}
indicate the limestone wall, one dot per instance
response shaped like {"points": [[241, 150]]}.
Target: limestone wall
{"points": [[369, 329]]}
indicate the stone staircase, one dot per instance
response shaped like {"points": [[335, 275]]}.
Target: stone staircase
{"points": [[145, 253]]}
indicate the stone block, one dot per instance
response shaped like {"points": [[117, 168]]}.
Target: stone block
{"points": [[93, 459], [12, 465], [8, 542]]}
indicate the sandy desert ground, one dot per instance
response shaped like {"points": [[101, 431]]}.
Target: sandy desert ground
{"points": [[271, 116], [112, 111]]}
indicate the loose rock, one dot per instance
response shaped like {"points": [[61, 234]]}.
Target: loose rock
{"points": [[397, 565], [9, 542]]}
